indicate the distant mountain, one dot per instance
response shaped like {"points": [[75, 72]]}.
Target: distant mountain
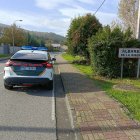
{"points": [[48, 36], [55, 38], [2, 26]]}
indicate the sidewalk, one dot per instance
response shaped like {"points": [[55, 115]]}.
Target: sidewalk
{"points": [[96, 115]]}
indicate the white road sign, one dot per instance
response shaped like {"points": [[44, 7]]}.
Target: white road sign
{"points": [[129, 52]]}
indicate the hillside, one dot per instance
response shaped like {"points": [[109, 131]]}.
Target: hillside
{"points": [[45, 35], [2, 26], [49, 36]]}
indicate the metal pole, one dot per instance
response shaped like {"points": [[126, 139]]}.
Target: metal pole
{"points": [[138, 37], [138, 72], [122, 61]]}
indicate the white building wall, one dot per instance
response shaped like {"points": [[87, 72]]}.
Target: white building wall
{"points": [[1, 50], [14, 49]]}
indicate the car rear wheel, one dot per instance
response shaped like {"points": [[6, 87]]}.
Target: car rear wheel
{"points": [[50, 85], [9, 87]]}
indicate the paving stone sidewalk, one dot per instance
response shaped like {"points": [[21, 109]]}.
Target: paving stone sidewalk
{"points": [[97, 116]]}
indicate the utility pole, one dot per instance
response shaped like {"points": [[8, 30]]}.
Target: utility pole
{"points": [[138, 37]]}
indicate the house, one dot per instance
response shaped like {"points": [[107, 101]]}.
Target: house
{"points": [[56, 46]]}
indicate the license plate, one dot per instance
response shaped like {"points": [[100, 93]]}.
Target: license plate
{"points": [[28, 68]]}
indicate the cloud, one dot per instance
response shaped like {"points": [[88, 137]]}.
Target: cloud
{"points": [[78, 8], [87, 1], [73, 12], [35, 22], [10, 16], [47, 4], [104, 17], [55, 15]]}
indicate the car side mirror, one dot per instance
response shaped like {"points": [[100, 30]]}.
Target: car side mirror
{"points": [[53, 59]]}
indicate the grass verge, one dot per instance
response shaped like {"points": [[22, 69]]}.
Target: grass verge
{"points": [[129, 98], [3, 55]]}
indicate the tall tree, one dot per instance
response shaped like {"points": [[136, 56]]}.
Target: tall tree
{"points": [[81, 29], [18, 33], [128, 11]]}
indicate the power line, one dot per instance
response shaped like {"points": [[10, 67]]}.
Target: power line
{"points": [[99, 7]]}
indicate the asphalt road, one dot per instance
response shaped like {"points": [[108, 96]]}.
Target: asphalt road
{"points": [[26, 113]]}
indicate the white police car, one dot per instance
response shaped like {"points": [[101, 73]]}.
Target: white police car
{"points": [[29, 67]]}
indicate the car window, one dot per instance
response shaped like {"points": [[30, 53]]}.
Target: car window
{"points": [[30, 56]]}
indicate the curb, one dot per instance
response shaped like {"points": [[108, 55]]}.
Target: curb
{"points": [[69, 108]]}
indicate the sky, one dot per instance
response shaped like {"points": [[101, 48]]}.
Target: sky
{"points": [[54, 15]]}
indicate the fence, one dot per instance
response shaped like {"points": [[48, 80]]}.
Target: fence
{"points": [[6, 49]]}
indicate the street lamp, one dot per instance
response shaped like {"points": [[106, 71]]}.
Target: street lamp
{"points": [[13, 38]]}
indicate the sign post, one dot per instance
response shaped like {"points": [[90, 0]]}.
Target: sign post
{"points": [[138, 70], [129, 53], [122, 67]]}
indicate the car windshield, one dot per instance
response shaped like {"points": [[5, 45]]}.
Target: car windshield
{"points": [[30, 56]]}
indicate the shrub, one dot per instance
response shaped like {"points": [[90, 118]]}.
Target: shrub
{"points": [[104, 47]]}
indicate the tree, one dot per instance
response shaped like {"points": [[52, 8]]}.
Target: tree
{"points": [[49, 44], [128, 12], [81, 29], [18, 33], [34, 40], [42, 42]]}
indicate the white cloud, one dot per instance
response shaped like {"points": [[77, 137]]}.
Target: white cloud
{"points": [[35, 22], [47, 4], [88, 1], [74, 12], [76, 9], [67, 9], [10, 16], [104, 17]]}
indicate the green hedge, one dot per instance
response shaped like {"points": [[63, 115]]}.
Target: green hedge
{"points": [[104, 47]]}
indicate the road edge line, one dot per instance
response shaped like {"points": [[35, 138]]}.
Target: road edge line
{"points": [[53, 103], [53, 115]]}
